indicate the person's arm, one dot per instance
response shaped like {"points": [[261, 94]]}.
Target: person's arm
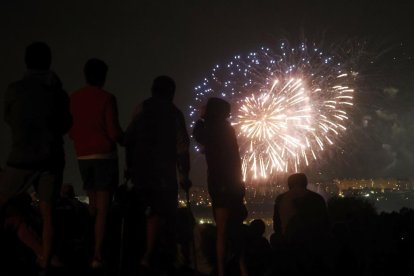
{"points": [[72, 108], [324, 216], [199, 132], [61, 118], [277, 224], [183, 155], [112, 122], [130, 137], [66, 116], [235, 153]]}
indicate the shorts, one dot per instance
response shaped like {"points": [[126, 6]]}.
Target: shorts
{"points": [[233, 202], [99, 174], [14, 181], [159, 202]]}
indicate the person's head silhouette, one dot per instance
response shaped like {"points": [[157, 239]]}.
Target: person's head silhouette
{"points": [[297, 180], [163, 87], [217, 109], [257, 227], [95, 72], [38, 56]]}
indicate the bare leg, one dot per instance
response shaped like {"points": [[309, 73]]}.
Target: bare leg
{"points": [[92, 203], [221, 216], [153, 228], [47, 232], [26, 234], [103, 200], [242, 264]]}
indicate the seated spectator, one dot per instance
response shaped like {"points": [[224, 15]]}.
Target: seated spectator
{"points": [[300, 215], [301, 224], [258, 251], [195, 243]]}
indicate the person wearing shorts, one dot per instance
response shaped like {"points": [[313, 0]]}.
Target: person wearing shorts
{"points": [[224, 175], [95, 134], [157, 147], [37, 112]]}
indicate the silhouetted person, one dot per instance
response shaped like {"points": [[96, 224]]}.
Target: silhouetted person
{"points": [[157, 147], [197, 243], [300, 215], [72, 221], [37, 112], [224, 174], [258, 251], [95, 133]]}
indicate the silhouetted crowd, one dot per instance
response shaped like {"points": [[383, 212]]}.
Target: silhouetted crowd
{"points": [[136, 228]]}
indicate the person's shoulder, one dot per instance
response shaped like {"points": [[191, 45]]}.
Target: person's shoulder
{"points": [[146, 105], [177, 110], [230, 128], [315, 195], [106, 93], [79, 94], [148, 102], [109, 97], [281, 196], [91, 91]]}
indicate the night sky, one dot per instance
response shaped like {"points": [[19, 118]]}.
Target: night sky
{"points": [[184, 39]]}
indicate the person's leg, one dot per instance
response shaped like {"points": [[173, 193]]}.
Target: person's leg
{"points": [[47, 186], [102, 201], [14, 182], [15, 220], [47, 232], [92, 208], [92, 202], [153, 229], [221, 216], [242, 265], [25, 234]]}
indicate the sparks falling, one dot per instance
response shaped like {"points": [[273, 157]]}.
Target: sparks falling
{"points": [[286, 107]]}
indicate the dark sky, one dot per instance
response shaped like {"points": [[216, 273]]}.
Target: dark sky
{"points": [[184, 39]]}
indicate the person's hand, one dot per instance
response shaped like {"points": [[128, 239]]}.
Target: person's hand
{"points": [[186, 184], [203, 111]]}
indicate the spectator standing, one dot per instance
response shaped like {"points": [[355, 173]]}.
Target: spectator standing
{"points": [[157, 146], [95, 134], [37, 112]]}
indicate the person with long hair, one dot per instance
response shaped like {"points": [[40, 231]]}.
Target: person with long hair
{"points": [[225, 182]]}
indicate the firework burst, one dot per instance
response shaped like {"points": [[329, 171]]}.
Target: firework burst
{"points": [[288, 106]]}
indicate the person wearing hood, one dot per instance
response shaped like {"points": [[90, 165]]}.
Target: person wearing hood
{"points": [[224, 175]]}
